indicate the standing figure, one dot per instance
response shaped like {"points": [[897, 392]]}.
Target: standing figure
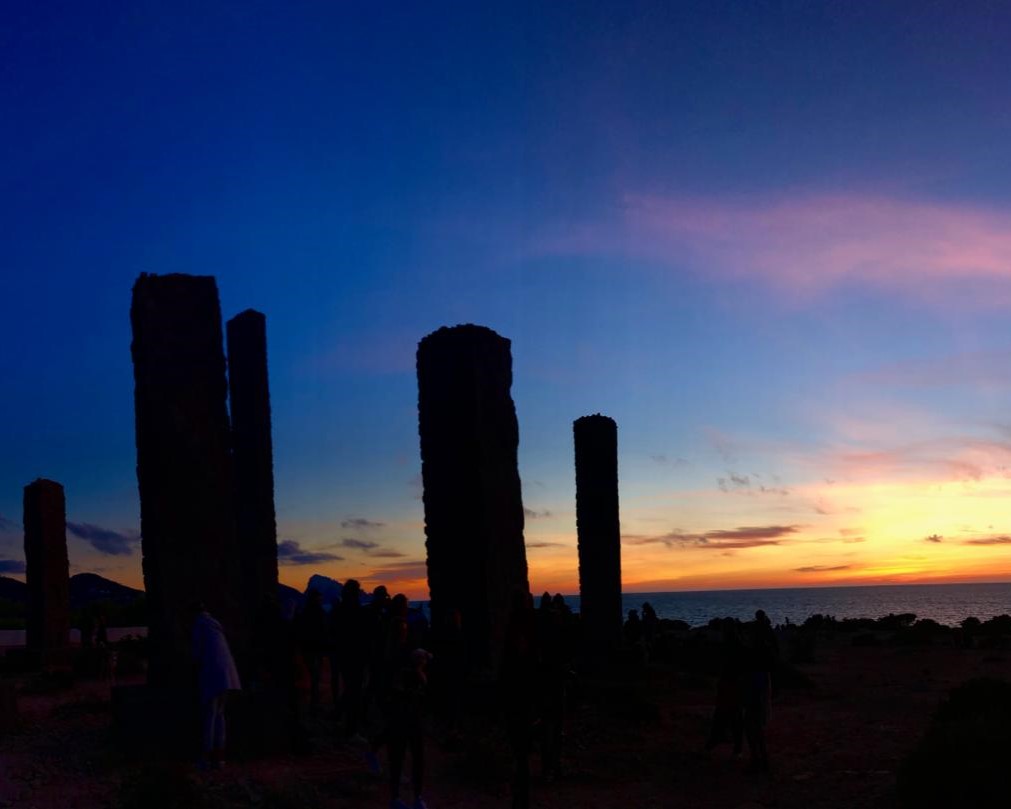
{"points": [[312, 636], [408, 681], [216, 676], [728, 715], [762, 654], [351, 646], [519, 681]]}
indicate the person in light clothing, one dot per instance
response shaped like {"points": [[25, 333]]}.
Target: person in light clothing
{"points": [[216, 676]]}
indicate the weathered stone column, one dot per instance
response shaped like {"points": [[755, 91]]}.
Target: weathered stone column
{"points": [[252, 455], [47, 570], [472, 498], [598, 529], [183, 468]]}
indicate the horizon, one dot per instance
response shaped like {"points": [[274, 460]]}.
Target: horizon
{"points": [[575, 595], [776, 249]]}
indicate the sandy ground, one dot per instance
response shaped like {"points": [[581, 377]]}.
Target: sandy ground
{"points": [[835, 744]]}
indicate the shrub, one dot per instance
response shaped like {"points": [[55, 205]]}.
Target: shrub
{"points": [[961, 760]]}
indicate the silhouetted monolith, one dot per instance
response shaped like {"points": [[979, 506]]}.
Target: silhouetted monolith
{"points": [[183, 468], [472, 498], [598, 530], [252, 455], [47, 570]]}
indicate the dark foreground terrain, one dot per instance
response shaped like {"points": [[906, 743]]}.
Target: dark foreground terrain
{"points": [[841, 727]]}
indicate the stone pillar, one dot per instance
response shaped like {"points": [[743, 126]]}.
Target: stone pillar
{"points": [[598, 530], [183, 468], [252, 455], [472, 498], [47, 571]]}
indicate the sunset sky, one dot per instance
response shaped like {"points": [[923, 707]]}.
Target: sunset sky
{"points": [[771, 240]]}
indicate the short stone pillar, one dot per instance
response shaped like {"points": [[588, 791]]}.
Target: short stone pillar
{"points": [[472, 498], [47, 569], [184, 469], [252, 455], [598, 530]]}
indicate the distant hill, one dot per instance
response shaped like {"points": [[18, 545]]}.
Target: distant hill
{"points": [[85, 588], [329, 588], [13, 590], [290, 599], [89, 588]]}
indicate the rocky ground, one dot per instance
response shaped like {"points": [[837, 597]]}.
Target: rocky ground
{"points": [[836, 741]]}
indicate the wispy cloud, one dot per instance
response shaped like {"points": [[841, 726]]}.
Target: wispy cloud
{"points": [[361, 522], [966, 458], [738, 483], [358, 544], [535, 515], [978, 369], [535, 545], [369, 548], [747, 536], [989, 540], [290, 552], [821, 568], [7, 525], [808, 243], [12, 566], [664, 460], [412, 570], [935, 538], [105, 540]]}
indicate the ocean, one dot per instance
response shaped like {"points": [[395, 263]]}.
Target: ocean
{"points": [[944, 603]]}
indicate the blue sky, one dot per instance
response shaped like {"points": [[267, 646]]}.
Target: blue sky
{"points": [[773, 240]]}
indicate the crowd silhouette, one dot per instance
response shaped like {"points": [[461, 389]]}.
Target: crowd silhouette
{"points": [[389, 673]]}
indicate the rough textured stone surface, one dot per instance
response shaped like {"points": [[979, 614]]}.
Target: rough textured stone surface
{"points": [[598, 529], [183, 467], [47, 571], [252, 455], [473, 504]]}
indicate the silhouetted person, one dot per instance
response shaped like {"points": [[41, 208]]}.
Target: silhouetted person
{"points": [[633, 629], [275, 649], [450, 670], [313, 638], [650, 623], [101, 632], [87, 628], [519, 681], [408, 682], [553, 676], [377, 629], [728, 715], [216, 676], [350, 637], [762, 654]]}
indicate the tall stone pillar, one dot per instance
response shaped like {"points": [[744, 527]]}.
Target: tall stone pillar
{"points": [[47, 571], [252, 455], [472, 498], [183, 468], [598, 529]]}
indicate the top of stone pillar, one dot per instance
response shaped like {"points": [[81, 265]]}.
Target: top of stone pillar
{"points": [[463, 332], [250, 316], [596, 418], [44, 483]]}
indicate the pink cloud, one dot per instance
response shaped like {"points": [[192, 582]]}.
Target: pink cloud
{"points": [[808, 243], [979, 369]]}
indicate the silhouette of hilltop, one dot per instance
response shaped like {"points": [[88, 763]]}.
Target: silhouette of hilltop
{"points": [[13, 590], [89, 588]]}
